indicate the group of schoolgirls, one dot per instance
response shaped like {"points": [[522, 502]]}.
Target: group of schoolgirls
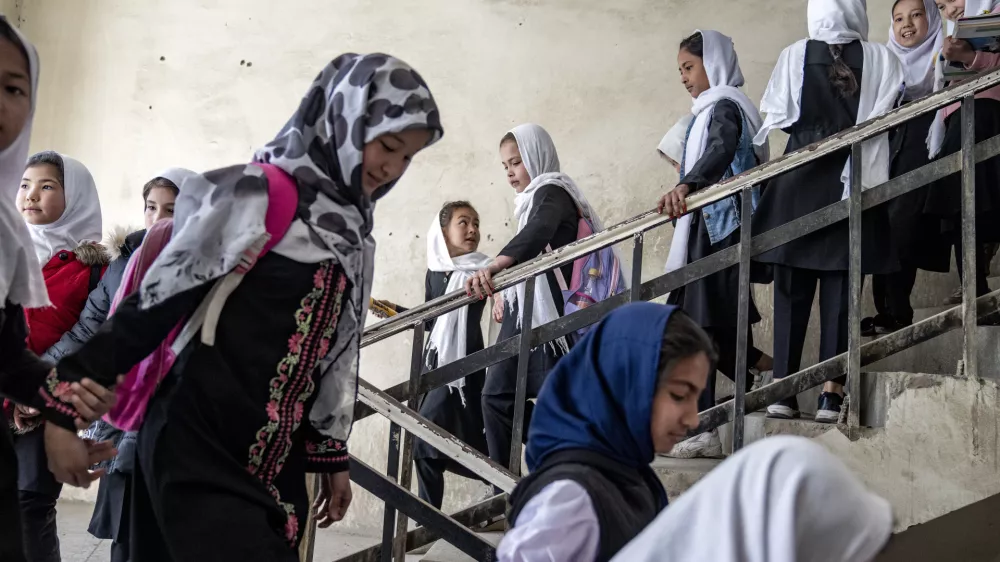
{"points": [[626, 393], [226, 432], [820, 87]]}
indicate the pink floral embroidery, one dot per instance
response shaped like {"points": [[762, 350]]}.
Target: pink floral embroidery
{"points": [[291, 528], [293, 384], [295, 342], [61, 389]]}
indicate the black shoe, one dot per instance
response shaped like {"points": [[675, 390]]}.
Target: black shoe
{"points": [[787, 409], [829, 407]]}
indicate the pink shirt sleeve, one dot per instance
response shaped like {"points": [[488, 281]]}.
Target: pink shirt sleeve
{"points": [[985, 61], [557, 525]]}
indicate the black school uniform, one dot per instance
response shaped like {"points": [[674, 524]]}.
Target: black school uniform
{"points": [[22, 376], [916, 236], [944, 199], [822, 256], [713, 301], [444, 406], [226, 441], [553, 222]]}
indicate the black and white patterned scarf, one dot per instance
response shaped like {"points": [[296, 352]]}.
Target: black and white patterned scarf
{"points": [[220, 214]]}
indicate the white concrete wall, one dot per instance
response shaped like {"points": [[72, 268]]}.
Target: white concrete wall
{"points": [[11, 9], [132, 87]]}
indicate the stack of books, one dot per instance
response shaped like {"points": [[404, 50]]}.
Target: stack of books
{"points": [[983, 33]]}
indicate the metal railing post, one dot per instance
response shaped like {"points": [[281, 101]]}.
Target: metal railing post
{"points": [[636, 290], [406, 466], [969, 246], [742, 322], [521, 391], [389, 512], [854, 210]]}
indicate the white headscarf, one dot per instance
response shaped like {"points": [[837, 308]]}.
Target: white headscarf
{"points": [[980, 7], [541, 160], [837, 22], [672, 144], [21, 279], [782, 499], [448, 337], [918, 62], [177, 176], [81, 220], [725, 79]]}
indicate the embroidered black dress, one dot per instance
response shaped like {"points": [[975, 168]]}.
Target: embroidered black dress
{"points": [[444, 406], [226, 441]]}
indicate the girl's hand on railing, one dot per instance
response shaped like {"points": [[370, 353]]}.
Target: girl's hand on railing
{"points": [[480, 285], [498, 308], [673, 202]]}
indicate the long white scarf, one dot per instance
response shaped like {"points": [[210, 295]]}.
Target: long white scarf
{"points": [[673, 146], [21, 279], [838, 22], [80, 221], [540, 158], [725, 79], [448, 337], [782, 499]]}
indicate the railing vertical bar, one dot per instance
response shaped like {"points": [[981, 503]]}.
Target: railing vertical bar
{"points": [[406, 466], [636, 292], [969, 246], [389, 513], [742, 321], [521, 391], [854, 210]]}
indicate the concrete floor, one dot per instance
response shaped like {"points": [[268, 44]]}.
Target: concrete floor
{"points": [[77, 545]]}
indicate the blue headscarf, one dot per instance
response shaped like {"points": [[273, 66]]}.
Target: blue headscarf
{"points": [[599, 397]]}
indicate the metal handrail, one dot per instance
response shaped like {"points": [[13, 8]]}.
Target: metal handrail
{"points": [[651, 219]]}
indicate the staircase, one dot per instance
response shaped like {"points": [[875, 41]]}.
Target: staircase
{"points": [[924, 429]]}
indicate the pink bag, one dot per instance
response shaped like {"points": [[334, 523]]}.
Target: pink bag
{"points": [[142, 381]]}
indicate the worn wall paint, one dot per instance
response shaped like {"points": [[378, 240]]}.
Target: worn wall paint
{"points": [[132, 87]]}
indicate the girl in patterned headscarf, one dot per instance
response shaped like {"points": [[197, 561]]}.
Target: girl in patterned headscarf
{"points": [[269, 394]]}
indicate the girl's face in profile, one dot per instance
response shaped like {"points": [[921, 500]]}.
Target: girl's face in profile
{"points": [[15, 93], [675, 405], [387, 157], [693, 74], [517, 173]]}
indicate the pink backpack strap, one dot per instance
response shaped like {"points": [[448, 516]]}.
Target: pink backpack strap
{"points": [[283, 201]]}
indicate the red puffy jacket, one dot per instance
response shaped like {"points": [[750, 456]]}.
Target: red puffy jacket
{"points": [[68, 277]]}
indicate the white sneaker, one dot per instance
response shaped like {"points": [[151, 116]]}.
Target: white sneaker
{"points": [[704, 446]]}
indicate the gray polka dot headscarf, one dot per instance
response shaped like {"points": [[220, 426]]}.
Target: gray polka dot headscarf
{"points": [[220, 214]]}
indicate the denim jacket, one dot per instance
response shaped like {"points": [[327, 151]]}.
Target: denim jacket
{"points": [[722, 218]]}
